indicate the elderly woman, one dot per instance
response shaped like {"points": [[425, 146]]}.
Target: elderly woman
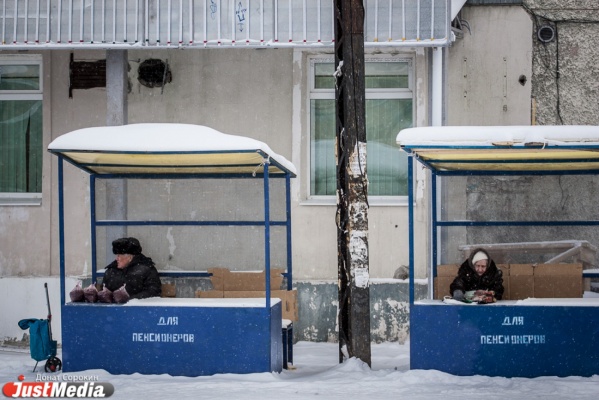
{"points": [[478, 272], [132, 269]]}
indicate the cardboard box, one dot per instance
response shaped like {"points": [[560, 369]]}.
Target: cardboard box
{"points": [[251, 284], [448, 270], [441, 286], [521, 281], [558, 281], [251, 281], [288, 299], [169, 290], [445, 275], [223, 279], [217, 278], [505, 269]]}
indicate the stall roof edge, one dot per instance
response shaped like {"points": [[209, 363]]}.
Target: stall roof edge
{"points": [[169, 148], [499, 149]]}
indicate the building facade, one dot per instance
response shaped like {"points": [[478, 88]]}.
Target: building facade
{"points": [[264, 70]]}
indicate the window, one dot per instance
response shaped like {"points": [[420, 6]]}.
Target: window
{"points": [[389, 108], [20, 130]]}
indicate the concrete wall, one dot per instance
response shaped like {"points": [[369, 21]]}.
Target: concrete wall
{"points": [[565, 84], [560, 89], [26, 298], [489, 75], [389, 310]]}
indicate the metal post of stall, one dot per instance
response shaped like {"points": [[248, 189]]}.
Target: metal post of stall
{"points": [[92, 208], [267, 233], [411, 223], [434, 239], [61, 229], [288, 226]]}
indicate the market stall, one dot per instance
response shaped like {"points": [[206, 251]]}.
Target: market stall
{"points": [[513, 338], [177, 336]]}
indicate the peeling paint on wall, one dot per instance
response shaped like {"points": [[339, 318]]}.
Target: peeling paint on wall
{"points": [[389, 310], [171, 240]]}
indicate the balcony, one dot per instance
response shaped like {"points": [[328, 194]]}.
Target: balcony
{"points": [[110, 24]]}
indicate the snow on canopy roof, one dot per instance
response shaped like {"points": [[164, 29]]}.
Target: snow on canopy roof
{"points": [[504, 148], [166, 149]]}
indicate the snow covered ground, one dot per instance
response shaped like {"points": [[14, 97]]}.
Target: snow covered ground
{"points": [[318, 375]]}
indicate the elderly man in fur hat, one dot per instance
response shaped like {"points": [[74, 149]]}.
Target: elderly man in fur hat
{"points": [[133, 270], [478, 273]]}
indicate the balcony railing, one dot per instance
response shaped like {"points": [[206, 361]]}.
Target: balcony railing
{"points": [[212, 23]]}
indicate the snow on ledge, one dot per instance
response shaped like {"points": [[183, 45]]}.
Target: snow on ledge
{"points": [[584, 302], [590, 299], [197, 302]]}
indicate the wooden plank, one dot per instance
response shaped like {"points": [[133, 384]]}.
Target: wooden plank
{"points": [[579, 250]]}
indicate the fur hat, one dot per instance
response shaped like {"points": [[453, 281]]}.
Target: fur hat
{"points": [[480, 255], [126, 246]]}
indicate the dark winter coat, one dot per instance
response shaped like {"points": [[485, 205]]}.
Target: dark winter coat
{"points": [[140, 277], [468, 279]]}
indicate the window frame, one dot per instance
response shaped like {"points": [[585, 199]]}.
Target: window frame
{"points": [[21, 198], [374, 93]]}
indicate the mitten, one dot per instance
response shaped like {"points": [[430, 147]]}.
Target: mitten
{"points": [[458, 295]]}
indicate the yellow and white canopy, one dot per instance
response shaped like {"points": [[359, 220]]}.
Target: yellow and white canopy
{"points": [[504, 148], [166, 149]]}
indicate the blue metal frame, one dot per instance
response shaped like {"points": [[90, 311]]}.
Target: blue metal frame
{"points": [[411, 223], [437, 223], [94, 222], [289, 273], [254, 333], [61, 229], [267, 235], [434, 235], [502, 339]]}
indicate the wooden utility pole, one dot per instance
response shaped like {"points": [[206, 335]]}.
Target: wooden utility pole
{"points": [[352, 183]]}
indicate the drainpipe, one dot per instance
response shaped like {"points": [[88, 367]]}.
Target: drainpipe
{"points": [[437, 109]]}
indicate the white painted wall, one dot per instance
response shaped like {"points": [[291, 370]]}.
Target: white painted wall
{"points": [[26, 298]]}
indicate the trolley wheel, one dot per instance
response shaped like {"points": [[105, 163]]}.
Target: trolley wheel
{"points": [[53, 364]]}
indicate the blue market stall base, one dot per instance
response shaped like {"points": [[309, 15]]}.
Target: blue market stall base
{"points": [[189, 337], [510, 341]]}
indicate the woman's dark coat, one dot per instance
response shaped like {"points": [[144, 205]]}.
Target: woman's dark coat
{"points": [[140, 277], [468, 279]]}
